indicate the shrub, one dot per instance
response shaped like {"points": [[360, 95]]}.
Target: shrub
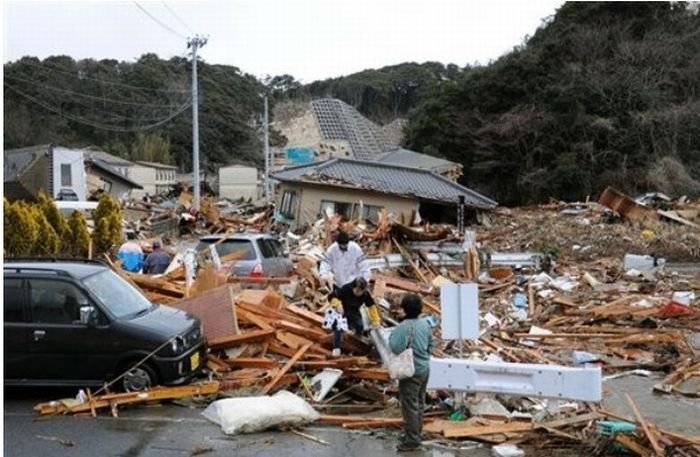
{"points": [[20, 229], [108, 224], [78, 237]]}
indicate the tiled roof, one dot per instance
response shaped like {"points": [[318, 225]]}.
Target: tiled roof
{"points": [[384, 178], [406, 157]]}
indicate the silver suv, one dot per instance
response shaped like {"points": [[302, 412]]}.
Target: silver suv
{"points": [[263, 254]]}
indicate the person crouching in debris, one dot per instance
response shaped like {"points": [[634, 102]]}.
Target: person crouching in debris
{"points": [[343, 262], [157, 261], [351, 297], [416, 333]]}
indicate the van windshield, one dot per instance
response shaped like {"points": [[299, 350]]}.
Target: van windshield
{"points": [[121, 298]]}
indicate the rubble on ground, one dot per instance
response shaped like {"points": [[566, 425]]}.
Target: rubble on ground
{"points": [[553, 290]]}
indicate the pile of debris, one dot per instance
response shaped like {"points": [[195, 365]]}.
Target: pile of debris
{"points": [[553, 289]]}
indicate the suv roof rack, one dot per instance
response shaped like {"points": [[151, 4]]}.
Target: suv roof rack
{"points": [[10, 268], [55, 259]]}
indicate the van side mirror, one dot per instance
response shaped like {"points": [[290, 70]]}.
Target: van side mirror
{"points": [[88, 316]]}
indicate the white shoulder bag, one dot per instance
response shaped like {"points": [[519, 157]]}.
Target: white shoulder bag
{"points": [[401, 366]]}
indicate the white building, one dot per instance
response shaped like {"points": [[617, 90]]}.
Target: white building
{"points": [[239, 181], [165, 176]]}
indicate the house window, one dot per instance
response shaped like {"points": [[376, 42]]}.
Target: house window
{"points": [[66, 180], [288, 205], [342, 208]]}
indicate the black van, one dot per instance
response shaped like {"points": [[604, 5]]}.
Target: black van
{"points": [[73, 322]]}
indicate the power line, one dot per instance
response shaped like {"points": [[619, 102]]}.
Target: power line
{"points": [[99, 125], [46, 67], [178, 18], [162, 24], [93, 97]]}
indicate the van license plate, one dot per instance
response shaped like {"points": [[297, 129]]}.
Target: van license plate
{"points": [[194, 361]]}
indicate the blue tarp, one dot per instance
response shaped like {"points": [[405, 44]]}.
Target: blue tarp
{"points": [[300, 156]]}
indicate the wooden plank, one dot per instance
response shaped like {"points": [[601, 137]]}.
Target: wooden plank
{"points": [[306, 314], [630, 443], [313, 334], [477, 430], [284, 369], [383, 423], [254, 319], [375, 374], [105, 401], [235, 340], [565, 302], [250, 362], [647, 431], [399, 283]]}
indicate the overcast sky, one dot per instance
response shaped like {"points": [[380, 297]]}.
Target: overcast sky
{"points": [[310, 39]]}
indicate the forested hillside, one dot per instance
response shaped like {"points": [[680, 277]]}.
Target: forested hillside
{"points": [[137, 110], [601, 94], [605, 94]]}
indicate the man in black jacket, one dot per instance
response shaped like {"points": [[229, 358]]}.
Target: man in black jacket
{"points": [[352, 296]]}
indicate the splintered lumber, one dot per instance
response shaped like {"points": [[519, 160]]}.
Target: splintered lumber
{"points": [[106, 401], [374, 374], [399, 283], [451, 429], [235, 340], [248, 362], [160, 285], [308, 333], [284, 369], [647, 431], [215, 309], [632, 444], [306, 314], [374, 423], [346, 362], [253, 318]]}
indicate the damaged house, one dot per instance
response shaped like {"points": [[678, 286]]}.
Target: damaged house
{"points": [[361, 189], [56, 170]]}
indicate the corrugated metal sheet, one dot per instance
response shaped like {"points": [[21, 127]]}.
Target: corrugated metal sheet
{"points": [[385, 178]]}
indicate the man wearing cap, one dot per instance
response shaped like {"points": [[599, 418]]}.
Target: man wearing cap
{"points": [[344, 261], [157, 261]]}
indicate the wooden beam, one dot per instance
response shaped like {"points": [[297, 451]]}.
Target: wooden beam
{"points": [[248, 362], [284, 369], [235, 340], [647, 431], [105, 401]]}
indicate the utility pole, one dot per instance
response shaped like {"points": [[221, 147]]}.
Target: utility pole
{"points": [[267, 154], [195, 43]]}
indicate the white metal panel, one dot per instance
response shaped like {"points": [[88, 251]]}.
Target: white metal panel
{"points": [[74, 158], [459, 309], [532, 380]]}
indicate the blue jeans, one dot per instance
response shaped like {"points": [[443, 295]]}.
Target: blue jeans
{"points": [[354, 323]]}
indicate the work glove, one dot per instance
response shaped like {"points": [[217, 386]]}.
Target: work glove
{"points": [[375, 316]]}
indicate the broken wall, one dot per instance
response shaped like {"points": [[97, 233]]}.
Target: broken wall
{"points": [[310, 196]]}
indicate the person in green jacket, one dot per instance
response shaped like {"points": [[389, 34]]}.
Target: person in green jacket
{"points": [[417, 333]]}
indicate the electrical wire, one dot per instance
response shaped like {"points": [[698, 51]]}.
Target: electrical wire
{"points": [[162, 24], [178, 18], [99, 125], [46, 67], [93, 97]]}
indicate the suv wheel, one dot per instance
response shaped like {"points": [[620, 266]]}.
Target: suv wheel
{"points": [[139, 378]]}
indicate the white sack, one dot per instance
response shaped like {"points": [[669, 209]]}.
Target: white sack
{"points": [[253, 414]]}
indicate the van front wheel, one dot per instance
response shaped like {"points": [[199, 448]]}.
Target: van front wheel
{"points": [[139, 378]]}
